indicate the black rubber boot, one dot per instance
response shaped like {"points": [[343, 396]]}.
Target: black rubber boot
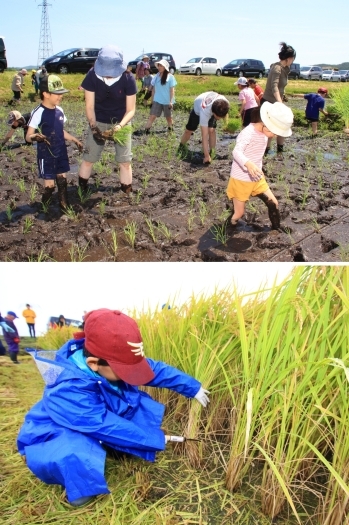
{"points": [[62, 186], [279, 148], [47, 195], [126, 188], [273, 211], [83, 184]]}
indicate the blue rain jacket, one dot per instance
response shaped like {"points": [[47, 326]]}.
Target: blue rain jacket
{"points": [[63, 434]]}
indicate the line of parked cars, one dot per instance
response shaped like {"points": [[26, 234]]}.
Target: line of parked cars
{"points": [[80, 60]]}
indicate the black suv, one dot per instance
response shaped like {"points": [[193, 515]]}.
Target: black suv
{"points": [[3, 61], [153, 57], [75, 60], [295, 71], [244, 67]]}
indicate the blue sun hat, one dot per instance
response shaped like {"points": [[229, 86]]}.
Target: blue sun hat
{"points": [[110, 62]]}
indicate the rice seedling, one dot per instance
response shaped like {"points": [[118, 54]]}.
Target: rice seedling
{"points": [[28, 224], [151, 228], [84, 195], [10, 179], [192, 200], [113, 246], [98, 181], [191, 220], [219, 232], [41, 256], [78, 253], [21, 185], [23, 163], [145, 180], [137, 196], [122, 136], [101, 207], [203, 211], [71, 213], [11, 155], [161, 226], [9, 212], [33, 191], [45, 206], [130, 231]]}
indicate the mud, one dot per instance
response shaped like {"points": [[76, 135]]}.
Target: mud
{"points": [[178, 210]]}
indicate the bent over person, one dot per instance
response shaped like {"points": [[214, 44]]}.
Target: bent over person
{"points": [[92, 402]]}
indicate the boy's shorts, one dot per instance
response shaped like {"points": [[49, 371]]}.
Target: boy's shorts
{"points": [[157, 109], [194, 121], [312, 119], [241, 190], [49, 168], [93, 151]]}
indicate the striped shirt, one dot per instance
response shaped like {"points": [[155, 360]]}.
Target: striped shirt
{"points": [[250, 145]]}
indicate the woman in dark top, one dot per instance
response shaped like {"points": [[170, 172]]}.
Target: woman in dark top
{"points": [[276, 83], [110, 99]]}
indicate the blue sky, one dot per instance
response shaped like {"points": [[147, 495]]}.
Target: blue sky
{"points": [[223, 29], [71, 288]]}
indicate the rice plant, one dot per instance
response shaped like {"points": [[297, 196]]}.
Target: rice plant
{"points": [[21, 185], [78, 253], [130, 231], [71, 213], [9, 212], [84, 195], [340, 98], [219, 232], [33, 191], [203, 211], [113, 246], [151, 228], [28, 224], [166, 232]]}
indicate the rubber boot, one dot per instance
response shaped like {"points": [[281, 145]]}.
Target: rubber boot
{"points": [[83, 184], [62, 186], [47, 195], [279, 149], [126, 188], [273, 211]]}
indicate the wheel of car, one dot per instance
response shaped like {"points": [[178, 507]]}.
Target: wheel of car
{"points": [[218, 72], [260, 74], [241, 73], [1, 69], [320, 77], [172, 70], [296, 77], [198, 72], [309, 77], [63, 69]]}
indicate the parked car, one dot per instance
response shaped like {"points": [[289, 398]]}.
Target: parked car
{"points": [[3, 60], [344, 75], [244, 67], [327, 74], [266, 72], [295, 71], [311, 72], [74, 60], [201, 66], [153, 57]]}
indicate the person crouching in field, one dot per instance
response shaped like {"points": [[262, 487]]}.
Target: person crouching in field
{"points": [[208, 108], [315, 104], [17, 120], [92, 404], [246, 177], [52, 154]]}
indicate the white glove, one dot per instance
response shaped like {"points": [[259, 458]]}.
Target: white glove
{"points": [[202, 397], [6, 327]]}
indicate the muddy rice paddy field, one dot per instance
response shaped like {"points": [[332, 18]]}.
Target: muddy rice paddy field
{"points": [[178, 210]]}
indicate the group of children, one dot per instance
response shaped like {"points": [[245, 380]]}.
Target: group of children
{"points": [[45, 125]]}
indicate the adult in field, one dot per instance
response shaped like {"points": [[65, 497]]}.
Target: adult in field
{"points": [[208, 108], [276, 83], [110, 101], [11, 337], [17, 84], [29, 316]]}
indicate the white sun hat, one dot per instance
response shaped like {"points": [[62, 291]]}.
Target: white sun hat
{"points": [[278, 118]]}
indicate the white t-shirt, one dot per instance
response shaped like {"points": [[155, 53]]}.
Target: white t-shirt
{"points": [[203, 105]]}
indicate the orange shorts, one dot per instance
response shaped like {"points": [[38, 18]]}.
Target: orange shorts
{"points": [[241, 190]]}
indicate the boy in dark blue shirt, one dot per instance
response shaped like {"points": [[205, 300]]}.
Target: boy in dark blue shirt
{"points": [[52, 152], [315, 104]]}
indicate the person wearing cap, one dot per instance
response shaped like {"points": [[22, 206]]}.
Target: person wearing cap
{"points": [[208, 108], [11, 337], [110, 101], [17, 120], [162, 96], [276, 84], [17, 84], [35, 84], [248, 100], [92, 402], [142, 65], [147, 87], [246, 176], [29, 316], [315, 104], [52, 154]]}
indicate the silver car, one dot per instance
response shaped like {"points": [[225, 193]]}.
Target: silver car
{"points": [[344, 74], [202, 66], [327, 74], [311, 72]]}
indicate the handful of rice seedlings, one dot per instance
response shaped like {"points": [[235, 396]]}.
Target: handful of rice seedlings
{"points": [[121, 136]]}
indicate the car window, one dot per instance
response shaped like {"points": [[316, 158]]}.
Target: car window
{"points": [[70, 55], [236, 62], [166, 57], [213, 61]]}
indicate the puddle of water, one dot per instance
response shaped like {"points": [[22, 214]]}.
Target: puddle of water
{"points": [[330, 156]]}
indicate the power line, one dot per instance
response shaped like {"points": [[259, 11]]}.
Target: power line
{"points": [[45, 42]]}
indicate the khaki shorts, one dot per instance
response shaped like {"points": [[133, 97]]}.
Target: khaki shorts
{"points": [[94, 151], [157, 110], [241, 190]]}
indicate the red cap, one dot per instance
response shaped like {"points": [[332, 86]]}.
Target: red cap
{"points": [[115, 337], [322, 90]]}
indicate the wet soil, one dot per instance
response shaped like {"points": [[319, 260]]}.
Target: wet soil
{"points": [[178, 210]]}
